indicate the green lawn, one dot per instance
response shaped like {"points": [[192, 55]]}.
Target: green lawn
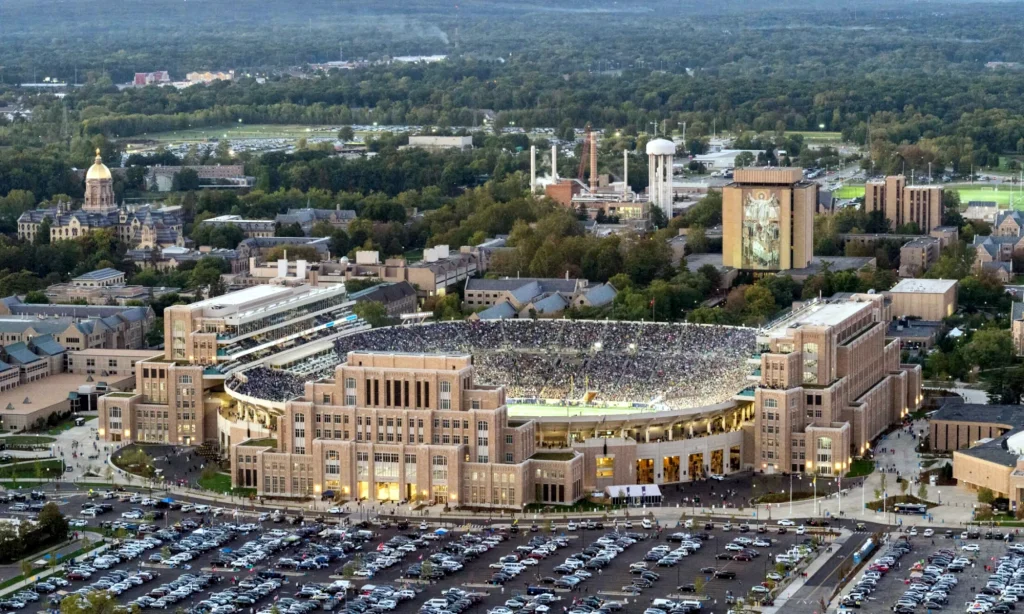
{"points": [[221, 482], [849, 191], [240, 131], [49, 468], [861, 467], [66, 424], [27, 440], [815, 135]]}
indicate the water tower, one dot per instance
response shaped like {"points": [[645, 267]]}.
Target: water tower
{"points": [[659, 163]]}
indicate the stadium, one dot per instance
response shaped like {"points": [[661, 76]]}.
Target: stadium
{"points": [[669, 399]]}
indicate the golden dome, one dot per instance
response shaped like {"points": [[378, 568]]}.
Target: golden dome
{"points": [[98, 170]]}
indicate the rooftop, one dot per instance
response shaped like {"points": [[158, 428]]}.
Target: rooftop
{"points": [[99, 275], [1010, 415], [48, 391], [924, 286], [821, 314]]}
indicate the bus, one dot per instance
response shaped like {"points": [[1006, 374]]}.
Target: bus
{"points": [[911, 508]]}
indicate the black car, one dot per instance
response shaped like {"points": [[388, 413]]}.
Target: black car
{"points": [[723, 574], [687, 588]]}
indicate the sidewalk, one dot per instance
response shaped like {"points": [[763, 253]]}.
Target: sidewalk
{"points": [[816, 565], [73, 546]]}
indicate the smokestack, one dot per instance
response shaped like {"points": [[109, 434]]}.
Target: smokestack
{"points": [[593, 161], [625, 173], [554, 164], [533, 169]]}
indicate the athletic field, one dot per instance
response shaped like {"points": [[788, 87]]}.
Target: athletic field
{"points": [[1005, 196], [239, 131], [546, 411]]}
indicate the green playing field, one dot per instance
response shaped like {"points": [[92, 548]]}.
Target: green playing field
{"points": [[1005, 196]]}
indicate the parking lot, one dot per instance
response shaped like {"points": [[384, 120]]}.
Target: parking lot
{"points": [[940, 569], [212, 560]]}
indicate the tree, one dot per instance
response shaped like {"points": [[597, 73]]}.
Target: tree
{"points": [[904, 486], [346, 134], [744, 159], [95, 602], [186, 179], [647, 260], [295, 252], [42, 236], [426, 569], [289, 230], [373, 313], [922, 490], [985, 495], [37, 297], [697, 240], [155, 334], [989, 348]]}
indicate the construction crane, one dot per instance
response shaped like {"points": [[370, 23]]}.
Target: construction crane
{"points": [[588, 151]]}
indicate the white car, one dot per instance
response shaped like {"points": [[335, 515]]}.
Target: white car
{"points": [[801, 530], [572, 526], [913, 531], [929, 532], [785, 522], [717, 477], [759, 589], [647, 524], [335, 510], [970, 548]]}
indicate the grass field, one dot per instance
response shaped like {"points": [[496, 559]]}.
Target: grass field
{"points": [[557, 410], [27, 440], [815, 135], [240, 131], [1006, 196], [849, 191]]}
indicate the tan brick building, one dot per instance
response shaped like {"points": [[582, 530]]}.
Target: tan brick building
{"points": [[927, 299], [904, 204], [393, 427], [830, 383], [768, 220]]}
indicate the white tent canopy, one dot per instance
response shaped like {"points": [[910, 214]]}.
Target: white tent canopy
{"points": [[634, 493]]}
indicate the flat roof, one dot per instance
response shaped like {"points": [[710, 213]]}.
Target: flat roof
{"points": [[924, 286], [241, 297], [825, 314], [140, 354], [49, 391]]}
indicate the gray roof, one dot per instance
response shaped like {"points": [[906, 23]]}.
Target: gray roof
{"points": [[981, 203], [527, 292], [994, 451], [601, 295], [43, 327], [17, 307], [554, 284], [500, 311], [995, 266], [1017, 312], [4, 366], [47, 346], [552, 304], [321, 244], [99, 275], [19, 354], [1011, 415], [385, 293]]}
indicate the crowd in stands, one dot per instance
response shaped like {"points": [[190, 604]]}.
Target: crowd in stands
{"points": [[269, 384], [671, 365]]}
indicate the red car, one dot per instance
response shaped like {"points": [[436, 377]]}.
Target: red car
{"points": [[742, 557]]}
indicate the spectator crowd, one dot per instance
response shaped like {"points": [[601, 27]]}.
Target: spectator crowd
{"points": [[661, 364]]}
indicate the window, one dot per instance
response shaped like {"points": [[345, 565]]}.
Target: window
{"points": [[771, 403], [446, 387], [481, 426], [184, 379], [508, 457], [508, 439]]}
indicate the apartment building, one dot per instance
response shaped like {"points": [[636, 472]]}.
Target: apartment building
{"points": [[904, 204], [252, 229], [830, 383], [394, 426]]}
